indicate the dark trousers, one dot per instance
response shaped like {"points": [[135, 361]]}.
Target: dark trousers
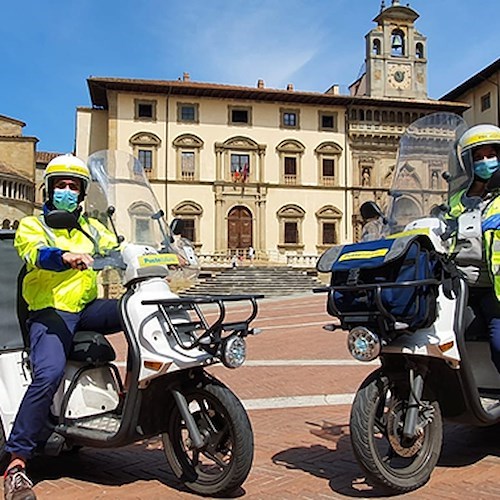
{"points": [[485, 303], [51, 334]]}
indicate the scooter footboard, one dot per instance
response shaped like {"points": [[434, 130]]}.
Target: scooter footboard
{"points": [[14, 380]]}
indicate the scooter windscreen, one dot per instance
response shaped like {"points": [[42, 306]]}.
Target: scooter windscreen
{"points": [[427, 171], [121, 197]]}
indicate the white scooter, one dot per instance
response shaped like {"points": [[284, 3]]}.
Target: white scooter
{"points": [[403, 302], [206, 432]]}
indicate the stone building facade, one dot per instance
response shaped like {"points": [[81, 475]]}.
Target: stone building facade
{"points": [[282, 171], [482, 93], [17, 172]]}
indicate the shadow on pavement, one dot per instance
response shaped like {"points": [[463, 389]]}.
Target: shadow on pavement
{"points": [[144, 461], [466, 445], [335, 462]]}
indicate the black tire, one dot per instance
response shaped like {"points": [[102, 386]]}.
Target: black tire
{"points": [[4, 455], [374, 425], [223, 464]]}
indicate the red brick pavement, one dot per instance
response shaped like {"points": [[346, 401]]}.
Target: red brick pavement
{"points": [[300, 453]]}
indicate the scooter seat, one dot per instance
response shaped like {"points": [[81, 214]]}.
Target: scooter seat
{"points": [[92, 348]]}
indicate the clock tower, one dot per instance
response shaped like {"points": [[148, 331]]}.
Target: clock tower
{"points": [[396, 55]]}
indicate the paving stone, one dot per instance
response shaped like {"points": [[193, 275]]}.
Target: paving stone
{"points": [[300, 453]]}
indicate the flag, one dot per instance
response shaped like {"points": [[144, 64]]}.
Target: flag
{"points": [[244, 174]]}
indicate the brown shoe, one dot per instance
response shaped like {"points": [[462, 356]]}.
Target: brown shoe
{"points": [[17, 485]]}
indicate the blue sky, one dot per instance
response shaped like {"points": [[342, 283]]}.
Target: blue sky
{"points": [[49, 49]]}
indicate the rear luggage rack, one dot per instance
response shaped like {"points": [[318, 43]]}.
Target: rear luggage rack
{"points": [[204, 334], [376, 311]]}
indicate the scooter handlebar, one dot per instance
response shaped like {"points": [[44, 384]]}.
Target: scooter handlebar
{"points": [[112, 259]]}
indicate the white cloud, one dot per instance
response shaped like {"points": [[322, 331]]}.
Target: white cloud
{"points": [[241, 43]]}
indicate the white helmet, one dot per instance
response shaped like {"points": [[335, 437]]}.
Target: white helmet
{"points": [[474, 137], [66, 166]]}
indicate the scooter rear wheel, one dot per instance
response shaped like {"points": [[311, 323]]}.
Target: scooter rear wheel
{"points": [[377, 418], [223, 464]]}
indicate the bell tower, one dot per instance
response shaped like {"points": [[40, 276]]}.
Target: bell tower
{"points": [[396, 55]]}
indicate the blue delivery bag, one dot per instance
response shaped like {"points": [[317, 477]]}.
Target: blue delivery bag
{"points": [[393, 279]]}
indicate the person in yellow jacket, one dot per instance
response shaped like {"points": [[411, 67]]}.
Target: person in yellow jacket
{"points": [[478, 151], [60, 288]]}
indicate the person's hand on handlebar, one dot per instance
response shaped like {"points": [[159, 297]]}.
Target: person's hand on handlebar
{"points": [[79, 261]]}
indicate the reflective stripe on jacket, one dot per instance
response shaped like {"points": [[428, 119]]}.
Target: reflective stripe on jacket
{"points": [[67, 290], [491, 234], [470, 255]]}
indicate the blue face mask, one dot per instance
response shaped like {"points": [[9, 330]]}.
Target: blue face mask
{"points": [[65, 199], [486, 168]]}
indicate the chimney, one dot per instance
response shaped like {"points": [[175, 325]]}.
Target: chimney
{"points": [[186, 77], [334, 89], [290, 87], [260, 84]]}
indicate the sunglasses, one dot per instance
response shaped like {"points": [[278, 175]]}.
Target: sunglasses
{"points": [[72, 185]]}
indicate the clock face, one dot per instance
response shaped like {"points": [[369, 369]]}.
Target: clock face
{"points": [[399, 76]]}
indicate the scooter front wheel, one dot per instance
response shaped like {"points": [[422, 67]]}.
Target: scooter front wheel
{"points": [[223, 463], [376, 425]]}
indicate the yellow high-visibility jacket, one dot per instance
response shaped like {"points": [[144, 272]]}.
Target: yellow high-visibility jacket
{"points": [[56, 285], [490, 226]]}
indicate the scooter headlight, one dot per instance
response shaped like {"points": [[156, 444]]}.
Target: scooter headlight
{"points": [[363, 344], [234, 351]]}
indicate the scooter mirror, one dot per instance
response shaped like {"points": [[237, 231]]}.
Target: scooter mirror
{"points": [[177, 226], [61, 219], [370, 210]]}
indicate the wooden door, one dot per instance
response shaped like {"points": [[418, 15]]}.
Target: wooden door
{"points": [[239, 228]]}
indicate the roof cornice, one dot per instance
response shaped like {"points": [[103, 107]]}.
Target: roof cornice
{"points": [[99, 87]]}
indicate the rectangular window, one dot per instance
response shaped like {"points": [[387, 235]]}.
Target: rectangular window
{"points": [[329, 233], [291, 233], [485, 102], [327, 121], [188, 229], [240, 167], [290, 170], [328, 167], [240, 116], [290, 165], [187, 165], [289, 119], [146, 159], [142, 231], [145, 110], [187, 112]]}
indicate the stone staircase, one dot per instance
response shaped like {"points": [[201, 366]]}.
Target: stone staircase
{"points": [[269, 281]]}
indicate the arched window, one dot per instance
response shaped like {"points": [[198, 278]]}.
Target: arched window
{"points": [[145, 148], [419, 50], [290, 152], [190, 212], [238, 159], [376, 50], [290, 219], [143, 226], [397, 43], [188, 148], [328, 218], [328, 154]]}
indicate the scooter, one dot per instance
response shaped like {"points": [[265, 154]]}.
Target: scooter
{"points": [[206, 432], [403, 302]]}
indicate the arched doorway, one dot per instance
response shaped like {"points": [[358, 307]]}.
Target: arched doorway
{"points": [[239, 228]]}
